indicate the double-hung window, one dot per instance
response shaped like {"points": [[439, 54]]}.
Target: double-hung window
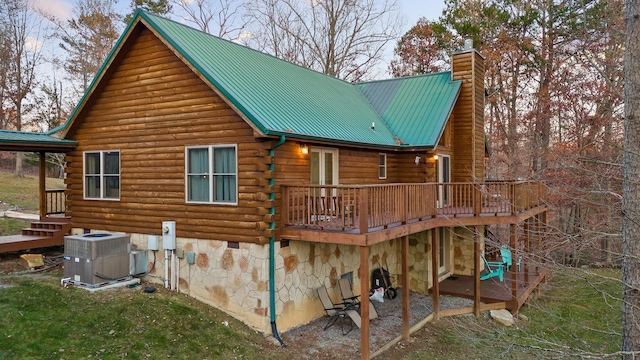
{"points": [[382, 166], [212, 174], [102, 175]]}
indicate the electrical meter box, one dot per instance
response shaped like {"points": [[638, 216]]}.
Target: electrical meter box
{"points": [[168, 235]]}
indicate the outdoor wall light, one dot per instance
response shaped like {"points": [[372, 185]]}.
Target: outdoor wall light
{"points": [[304, 149], [435, 157]]}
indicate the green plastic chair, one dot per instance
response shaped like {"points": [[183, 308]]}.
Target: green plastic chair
{"points": [[507, 257], [492, 269]]}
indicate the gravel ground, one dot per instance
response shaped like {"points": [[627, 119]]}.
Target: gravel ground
{"points": [[310, 341]]}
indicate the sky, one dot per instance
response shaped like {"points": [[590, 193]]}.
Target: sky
{"points": [[412, 10]]}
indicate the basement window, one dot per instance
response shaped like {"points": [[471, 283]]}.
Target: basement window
{"points": [[102, 175]]}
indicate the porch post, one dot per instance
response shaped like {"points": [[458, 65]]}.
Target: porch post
{"points": [[514, 273], [476, 266], [42, 185], [435, 288], [405, 287], [363, 213], [364, 302]]}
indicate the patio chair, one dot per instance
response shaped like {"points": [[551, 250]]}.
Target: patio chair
{"points": [[337, 312], [492, 268], [348, 297], [507, 257]]}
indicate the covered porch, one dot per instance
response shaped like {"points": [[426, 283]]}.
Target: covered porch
{"points": [[52, 225], [366, 215]]}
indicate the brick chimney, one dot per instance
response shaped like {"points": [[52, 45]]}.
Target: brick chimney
{"points": [[468, 116]]}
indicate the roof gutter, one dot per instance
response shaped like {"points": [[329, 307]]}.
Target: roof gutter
{"points": [[272, 245]]}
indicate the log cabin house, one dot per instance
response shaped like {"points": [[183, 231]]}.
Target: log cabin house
{"points": [[281, 179]]}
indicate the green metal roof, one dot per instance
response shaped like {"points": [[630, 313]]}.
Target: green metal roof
{"points": [[416, 108], [280, 98], [277, 96], [30, 141]]}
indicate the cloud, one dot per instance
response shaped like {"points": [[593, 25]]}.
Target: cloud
{"points": [[34, 44], [61, 9], [243, 37]]}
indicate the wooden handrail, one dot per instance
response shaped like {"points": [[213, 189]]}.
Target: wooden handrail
{"points": [[364, 207], [55, 202]]}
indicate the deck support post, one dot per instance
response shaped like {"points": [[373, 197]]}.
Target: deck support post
{"points": [[435, 288], [42, 185], [514, 273], [405, 287], [526, 249], [364, 302], [476, 267]]}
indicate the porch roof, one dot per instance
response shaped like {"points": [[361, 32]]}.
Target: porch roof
{"points": [[32, 141]]}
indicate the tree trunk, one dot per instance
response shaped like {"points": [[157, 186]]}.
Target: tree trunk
{"points": [[19, 172], [630, 188]]}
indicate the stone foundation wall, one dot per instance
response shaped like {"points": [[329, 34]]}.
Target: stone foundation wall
{"points": [[237, 280], [463, 251], [302, 267], [419, 261]]}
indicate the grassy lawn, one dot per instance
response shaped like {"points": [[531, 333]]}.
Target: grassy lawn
{"points": [[23, 192], [42, 320], [12, 226], [577, 316]]}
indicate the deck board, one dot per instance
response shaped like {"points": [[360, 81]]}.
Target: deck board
{"points": [[492, 290], [27, 242]]}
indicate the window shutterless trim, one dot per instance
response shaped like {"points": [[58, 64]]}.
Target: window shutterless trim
{"points": [[101, 175], [382, 166], [210, 174]]}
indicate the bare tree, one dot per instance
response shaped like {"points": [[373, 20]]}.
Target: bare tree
{"points": [[222, 18], [87, 38], [341, 38], [630, 188], [22, 27]]}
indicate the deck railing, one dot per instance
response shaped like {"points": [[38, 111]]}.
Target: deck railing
{"points": [[363, 207], [55, 202]]}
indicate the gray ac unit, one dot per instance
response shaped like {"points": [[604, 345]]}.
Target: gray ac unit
{"points": [[95, 259]]}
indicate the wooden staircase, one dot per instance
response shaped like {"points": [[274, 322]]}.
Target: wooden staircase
{"points": [[49, 231]]}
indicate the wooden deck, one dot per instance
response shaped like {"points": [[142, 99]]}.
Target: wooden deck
{"points": [[369, 214], [494, 291], [41, 234]]}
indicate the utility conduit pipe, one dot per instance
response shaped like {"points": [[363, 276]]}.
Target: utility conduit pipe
{"points": [[166, 269], [272, 245]]}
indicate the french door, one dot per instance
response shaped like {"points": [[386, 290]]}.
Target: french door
{"points": [[444, 178], [324, 168]]}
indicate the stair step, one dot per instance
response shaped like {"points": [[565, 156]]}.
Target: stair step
{"points": [[56, 219], [39, 232], [47, 225]]}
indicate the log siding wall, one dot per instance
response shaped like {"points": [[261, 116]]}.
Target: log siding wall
{"points": [[151, 108], [468, 124]]}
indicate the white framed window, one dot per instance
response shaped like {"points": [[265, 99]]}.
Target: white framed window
{"points": [[102, 174], [382, 166], [212, 174]]}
